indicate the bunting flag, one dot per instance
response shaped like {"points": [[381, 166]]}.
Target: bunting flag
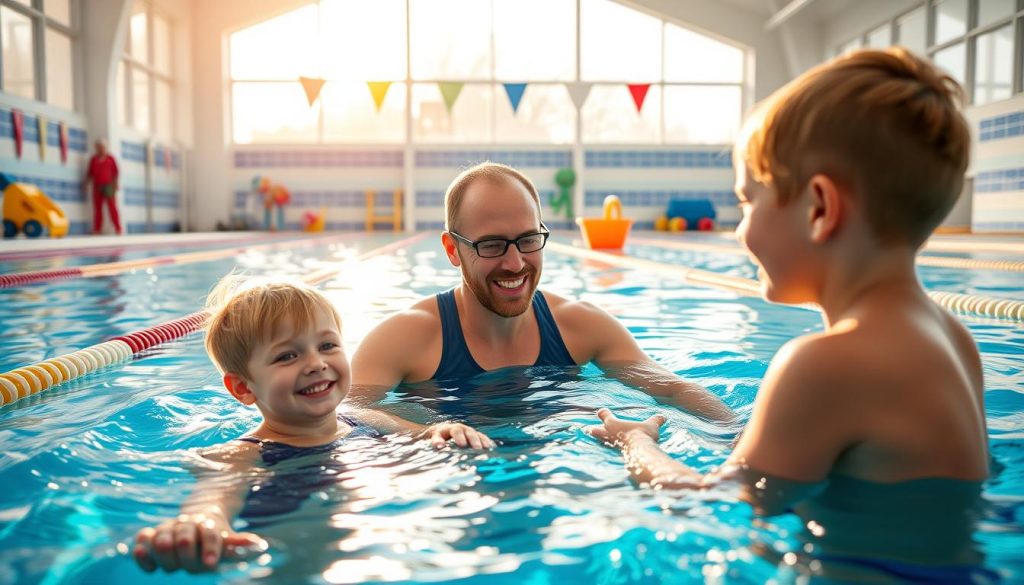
{"points": [[63, 142], [515, 94], [168, 160], [639, 92], [312, 86], [18, 121], [41, 124], [379, 90], [578, 92], [450, 92]]}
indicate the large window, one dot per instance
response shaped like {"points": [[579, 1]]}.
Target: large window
{"points": [[145, 75], [32, 69], [975, 41], [505, 71]]}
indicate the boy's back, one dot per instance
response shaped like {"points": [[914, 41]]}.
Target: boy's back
{"points": [[892, 392]]}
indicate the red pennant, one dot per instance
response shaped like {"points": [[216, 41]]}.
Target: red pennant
{"points": [[18, 120], [167, 159], [63, 143], [639, 92]]}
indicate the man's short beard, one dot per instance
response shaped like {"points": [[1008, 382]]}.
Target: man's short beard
{"points": [[483, 294]]}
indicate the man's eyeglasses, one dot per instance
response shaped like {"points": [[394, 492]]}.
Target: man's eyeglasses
{"points": [[495, 247]]}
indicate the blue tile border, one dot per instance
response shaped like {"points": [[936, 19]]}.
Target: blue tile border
{"points": [[346, 198], [76, 136], [136, 197], [56, 189], [683, 159], [318, 158], [1004, 226], [658, 198], [136, 152], [999, 181], [998, 127], [512, 158]]}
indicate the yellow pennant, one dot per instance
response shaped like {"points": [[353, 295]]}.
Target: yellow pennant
{"points": [[379, 90], [450, 92]]}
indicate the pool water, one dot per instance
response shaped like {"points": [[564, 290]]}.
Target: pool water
{"points": [[86, 464]]}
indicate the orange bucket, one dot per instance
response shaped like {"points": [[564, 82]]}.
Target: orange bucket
{"points": [[609, 232]]}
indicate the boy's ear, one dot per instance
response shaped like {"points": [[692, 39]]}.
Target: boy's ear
{"points": [[451, 248], [826, 208], [239, 388]]}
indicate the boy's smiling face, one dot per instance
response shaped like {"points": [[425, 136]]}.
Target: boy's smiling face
{"points": [[299, 375], [775, 237]]}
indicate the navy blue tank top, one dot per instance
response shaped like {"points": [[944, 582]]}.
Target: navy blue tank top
{"points": [[458, 363]]}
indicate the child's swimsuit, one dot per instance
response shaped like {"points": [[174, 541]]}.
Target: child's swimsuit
{"points": [[279, 491]]}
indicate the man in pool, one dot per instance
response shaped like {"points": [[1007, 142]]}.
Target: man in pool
{"points": [[496, 317], [890, 393]]}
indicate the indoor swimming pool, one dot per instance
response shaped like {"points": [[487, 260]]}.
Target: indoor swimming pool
{"points": [[86, 464]]}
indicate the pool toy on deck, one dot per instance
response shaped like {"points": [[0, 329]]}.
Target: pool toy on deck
{"points": [[687, 213], [28, 209], [565, 179], [274, 195], [609, 231], [313, 222]]}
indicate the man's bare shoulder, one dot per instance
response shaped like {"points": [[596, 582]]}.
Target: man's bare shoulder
{"points": [[408, 325], [573, 312]]}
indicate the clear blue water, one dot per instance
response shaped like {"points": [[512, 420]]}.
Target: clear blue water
{"points": [[85, 465]]}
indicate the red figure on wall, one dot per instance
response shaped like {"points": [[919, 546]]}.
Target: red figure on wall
{"points": [[103, 176]]}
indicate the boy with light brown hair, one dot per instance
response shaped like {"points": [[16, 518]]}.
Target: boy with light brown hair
{"points": [[842, 175], [278, 346]]}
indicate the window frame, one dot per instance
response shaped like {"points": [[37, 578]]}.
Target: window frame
{"points": [[743, 85], [131, 64], [41, 22]]}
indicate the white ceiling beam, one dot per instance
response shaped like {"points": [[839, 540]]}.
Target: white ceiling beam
{"points": [[787, 12]]}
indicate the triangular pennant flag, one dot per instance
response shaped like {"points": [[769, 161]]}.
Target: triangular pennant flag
{"points": [[41, 123], [578, 92], [18, 121], [63, 142], [379, 90], [167, 159], [639, 92], [312, 85], [515, 94], [450, 92]]}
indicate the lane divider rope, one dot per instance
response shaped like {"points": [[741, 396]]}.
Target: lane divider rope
{"points": [[111, 268], [35, 378], [992, 307], [930, 261]]}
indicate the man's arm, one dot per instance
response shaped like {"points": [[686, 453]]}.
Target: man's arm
{"points": [[613, 349], [383, 360]]}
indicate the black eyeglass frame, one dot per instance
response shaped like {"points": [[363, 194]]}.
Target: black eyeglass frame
{"points": [[476, 244]]}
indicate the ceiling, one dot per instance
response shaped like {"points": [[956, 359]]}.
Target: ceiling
{"points": [[814, 9]]}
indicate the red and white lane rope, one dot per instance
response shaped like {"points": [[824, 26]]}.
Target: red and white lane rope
{"points": [[35, 378]]}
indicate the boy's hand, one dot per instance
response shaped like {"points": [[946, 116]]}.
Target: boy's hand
{"points": [[616, 432], [462, 435], [193, 542]]}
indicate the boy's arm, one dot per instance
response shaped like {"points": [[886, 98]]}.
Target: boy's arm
{"points": [[201, 535], [799, 426], [614, 349]]}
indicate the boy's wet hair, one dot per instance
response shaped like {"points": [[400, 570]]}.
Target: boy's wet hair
{"points": [[885, 124], [485, 171], [245, 312]]}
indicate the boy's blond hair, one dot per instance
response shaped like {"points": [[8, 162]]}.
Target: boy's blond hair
{"points": [[245, 312], [485, 171], [886, 124]]}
